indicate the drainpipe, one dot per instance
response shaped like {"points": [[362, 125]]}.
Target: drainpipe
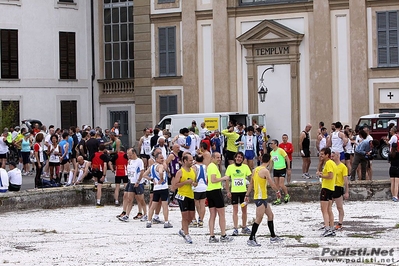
{"points": [[93, 70]]}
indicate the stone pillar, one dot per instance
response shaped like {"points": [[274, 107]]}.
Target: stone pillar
{"points": [[320, 95], [190, 60], [358, 48], [221, 57], [142, 65]]}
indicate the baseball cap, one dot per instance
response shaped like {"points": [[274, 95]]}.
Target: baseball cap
{"points": [[92, 132], [13, 163]]}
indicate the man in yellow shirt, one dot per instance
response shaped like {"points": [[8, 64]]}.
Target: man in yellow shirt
{"points": [[328, 176], [260, 179], [341, 191], [231, 148], [184, 181]]}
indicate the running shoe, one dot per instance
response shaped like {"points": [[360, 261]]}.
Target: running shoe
{"points": [[99, 205], [253, 243], [352, 178], [395, 199], [235, 232], [287, 198], [246, 231], [144, 218], [121, 215], [117, 204], [226, 238], [322, 228], [167, 225], [213, 239], [275, 239], [181, 233], [193, 223], [327, 233], [188, 239], [200, 224], [338, 227], [277, 202], [156, 221], [124, 218], [138, 216], [148, 225]]}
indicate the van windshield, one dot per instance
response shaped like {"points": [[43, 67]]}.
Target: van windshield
{"points": [[364, 122], [165, 124]]}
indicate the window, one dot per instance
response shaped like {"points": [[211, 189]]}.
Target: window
{"points": [[69, 114], [118, 39], [167, 105], [388, 38], [65, 1], [9, 114], [9, 54], [67, 55], [265, 2], [165, 1], [167, 51]]}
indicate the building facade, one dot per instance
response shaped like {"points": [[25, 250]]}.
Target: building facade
{"points": [[96, 62], [45, 70]]}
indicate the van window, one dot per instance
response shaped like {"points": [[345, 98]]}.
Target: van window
{"points": [[364, 122], [381, 124], [224, 122], [165, 124]]}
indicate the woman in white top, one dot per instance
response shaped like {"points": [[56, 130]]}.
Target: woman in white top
{"points": [[3, 149], [54, 152]]}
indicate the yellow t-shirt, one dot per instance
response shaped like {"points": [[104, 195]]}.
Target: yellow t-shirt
{"points": [[238, 175], [231, 140], [260, 184], [187, 190], [342, 171], [212, 169], [329, 167]]}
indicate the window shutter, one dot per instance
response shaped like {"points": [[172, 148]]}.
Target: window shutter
{"points": [[172, 50], [9, 53], [68, 114], [71, 56], [63, 55], [167, 105], [162, 52], [173, 104]]}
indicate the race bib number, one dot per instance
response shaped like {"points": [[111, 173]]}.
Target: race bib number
{"points": [[53, 158], [179, 197], [275, 158], [238, 182], [147, 150], [177, 166], [249, 147]]}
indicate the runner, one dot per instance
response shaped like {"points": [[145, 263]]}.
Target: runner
{"points": [[341, 190], [260, 179], [200, 191]]}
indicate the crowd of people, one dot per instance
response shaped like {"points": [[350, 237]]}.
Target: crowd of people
{"points": [[185, 171]]}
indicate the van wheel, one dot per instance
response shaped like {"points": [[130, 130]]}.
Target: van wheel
{"points": [[384, 151]]}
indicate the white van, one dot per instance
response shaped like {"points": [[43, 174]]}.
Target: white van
{"points": [[212, 121]]}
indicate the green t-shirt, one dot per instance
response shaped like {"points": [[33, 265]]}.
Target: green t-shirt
{"points": [[278, 157], [238, 175], [212, 169], [231, 140]]}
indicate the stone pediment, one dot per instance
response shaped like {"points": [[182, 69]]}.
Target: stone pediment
{"points": [[270, 31]]}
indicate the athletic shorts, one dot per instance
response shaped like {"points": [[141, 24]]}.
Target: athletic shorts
{"points": [[306, 152], [260, 202], [286, 166], [144, 156], [186, 205], [237, 197], [280, 173], [72, 155], [162, 194], [249, 154], [139, 190], [25, 157], [151, 188], [64, 161], [348, 156], [53, 164], [3, 155], [98, 175], [338, 192], [215, 198], [326, 194], [394, 171], [199, 195], [119, 179], [230, 155], [342, 156]]}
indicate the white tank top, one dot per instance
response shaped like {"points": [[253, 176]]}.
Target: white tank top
{"points": [[146, 146], [349, 147], [55, 158], [323, 143], [337, 144], [201, 178]]}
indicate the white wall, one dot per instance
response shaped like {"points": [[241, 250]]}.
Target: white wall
{"points": [[38, 88]]}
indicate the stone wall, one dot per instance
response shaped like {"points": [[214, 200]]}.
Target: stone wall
{"points": [[51, 198]]}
